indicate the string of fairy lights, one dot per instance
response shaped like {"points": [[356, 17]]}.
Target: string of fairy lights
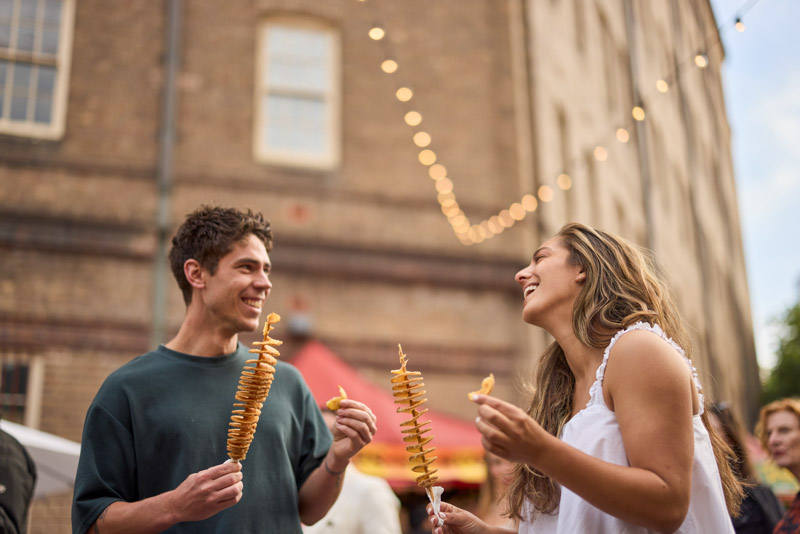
{"points": [[471, 233]]}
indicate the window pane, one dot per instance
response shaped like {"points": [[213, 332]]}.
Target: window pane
{"points": [[13, 390], [19, 91], [6, 10], [52, 11], [49, 39], [295, 125], [42, 110], [297, 59], [5, 35], [46, 80], [22, 77], [3, 70], [44, 95], [27, 11], [25, 35], [26, 29], [19, 108]]}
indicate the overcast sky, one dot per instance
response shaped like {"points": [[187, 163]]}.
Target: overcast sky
{"points": [[761, 76]]}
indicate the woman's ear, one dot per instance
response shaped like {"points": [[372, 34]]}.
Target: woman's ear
{"points": [[195, 274], [581, 277]]}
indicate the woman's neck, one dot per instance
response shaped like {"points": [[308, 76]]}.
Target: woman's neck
{"points": [[582, 359]]}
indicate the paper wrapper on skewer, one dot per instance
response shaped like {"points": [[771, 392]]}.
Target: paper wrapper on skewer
{"points": [[407, 391], [254, 384]]}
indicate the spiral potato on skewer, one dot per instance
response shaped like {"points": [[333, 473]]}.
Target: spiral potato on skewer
{"points": [[254, 384], [406, 388]]}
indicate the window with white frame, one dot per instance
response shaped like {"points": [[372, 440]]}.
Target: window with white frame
{"points": [[297, 105], [35, 51], [21, 381]]}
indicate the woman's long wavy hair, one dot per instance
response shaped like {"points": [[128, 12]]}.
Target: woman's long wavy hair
{"points": [[620, 289]]}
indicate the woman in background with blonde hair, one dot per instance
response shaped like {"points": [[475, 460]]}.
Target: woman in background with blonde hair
{"points": [[778, 429], [616, 439]]}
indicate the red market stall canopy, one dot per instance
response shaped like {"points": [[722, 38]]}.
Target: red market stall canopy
{"points": [[458, 444]]}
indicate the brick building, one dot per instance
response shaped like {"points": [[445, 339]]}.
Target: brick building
{"points": [[115, 123]]}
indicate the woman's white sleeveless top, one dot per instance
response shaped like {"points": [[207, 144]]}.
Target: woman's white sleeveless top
{"points": [[595, 431]]}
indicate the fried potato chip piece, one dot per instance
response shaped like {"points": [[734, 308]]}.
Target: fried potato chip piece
{"points": [[333, 404], [486, 387]]}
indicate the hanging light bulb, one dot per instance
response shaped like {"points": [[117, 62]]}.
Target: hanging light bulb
{"points": [[427, 157], [422, 139], [445, 185], [437, 171], [517, 211], [377, 33], [600, 153], [662, 86], [638, 113], [529, 202], [739, 25], [404, 94], [701, 60], [389, 66], [413, 118]]}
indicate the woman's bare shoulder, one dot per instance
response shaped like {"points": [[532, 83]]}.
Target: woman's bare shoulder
{"points": [[646, 358]]}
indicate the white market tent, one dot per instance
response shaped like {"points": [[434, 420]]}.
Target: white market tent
{"points": [[56, 458]]}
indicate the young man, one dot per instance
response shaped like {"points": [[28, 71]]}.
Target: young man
{"points": [[154, 440]]}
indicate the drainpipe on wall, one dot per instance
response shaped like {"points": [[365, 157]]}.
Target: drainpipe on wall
{"points": [[523, 102], [640, 127], [166, 142]]}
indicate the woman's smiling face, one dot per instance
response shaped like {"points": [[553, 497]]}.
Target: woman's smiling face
{"points": [[550, 283]]}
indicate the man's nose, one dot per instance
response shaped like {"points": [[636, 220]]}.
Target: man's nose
{"points": [[263, 281]]}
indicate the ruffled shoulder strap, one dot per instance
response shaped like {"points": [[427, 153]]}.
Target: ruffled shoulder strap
{"points": [[596, 391]]}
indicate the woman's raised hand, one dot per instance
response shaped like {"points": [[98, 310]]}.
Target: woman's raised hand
{"points": [[508, 431]]}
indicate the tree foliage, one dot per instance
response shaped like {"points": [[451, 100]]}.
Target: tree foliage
{"points": [[784, 379]]}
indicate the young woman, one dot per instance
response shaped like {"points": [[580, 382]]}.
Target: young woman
{"points": [[616, 438]]}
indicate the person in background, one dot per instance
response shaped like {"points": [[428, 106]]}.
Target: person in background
{"points": [[778, 429], [616, 437], [17, 481], [761, 510], [366, 504], [154, 440], [492, 505]]}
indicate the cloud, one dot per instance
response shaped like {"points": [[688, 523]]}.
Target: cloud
{"points": [[779, 115]]}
